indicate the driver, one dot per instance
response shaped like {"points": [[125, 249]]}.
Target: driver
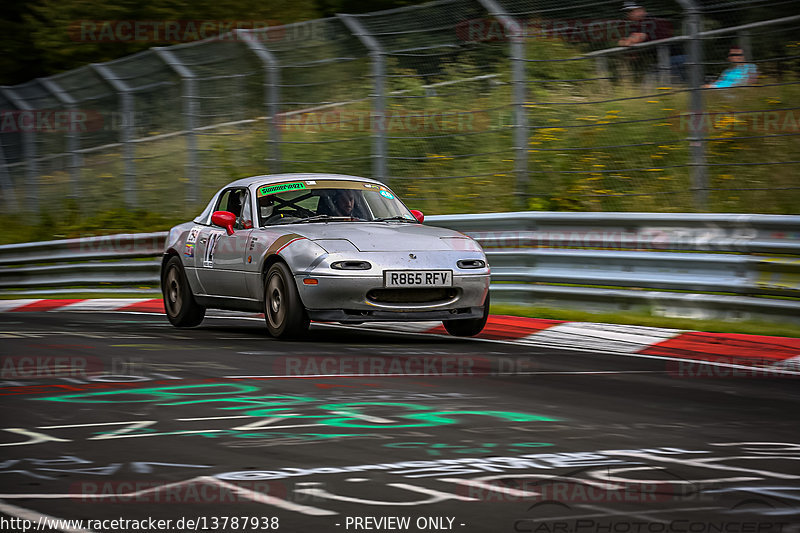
{"points": [[344, 200]]}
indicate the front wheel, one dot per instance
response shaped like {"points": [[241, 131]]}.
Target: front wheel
{"points": [[470, 326], [284, 312], [182, 310]]}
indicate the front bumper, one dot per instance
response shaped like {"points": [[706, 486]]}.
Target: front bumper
{"points": [[342, 298], [343, 315]]}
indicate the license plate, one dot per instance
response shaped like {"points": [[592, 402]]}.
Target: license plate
{"points": [[418, 278]]}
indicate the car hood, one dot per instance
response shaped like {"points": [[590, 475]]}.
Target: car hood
{"points": [[380, 236]]}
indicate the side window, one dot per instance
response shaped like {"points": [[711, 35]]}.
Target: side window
{"points": [[224, 199], [237, 201]]}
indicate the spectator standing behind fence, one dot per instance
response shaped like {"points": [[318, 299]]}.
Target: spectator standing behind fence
{"points": [[637, 15], [642, 28], [739, 73]]}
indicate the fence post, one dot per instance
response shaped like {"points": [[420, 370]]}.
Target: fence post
{"points": [[518, 81], [743, 38], [272, 93], [6, 185], [697, 152], [126, 133], [663, 64], [73, 136], [189, 112], [29, 152], [378, 119], [601, 68]]}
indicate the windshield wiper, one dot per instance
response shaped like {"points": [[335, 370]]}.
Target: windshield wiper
{"points": [[324, 218], [396, 217]]}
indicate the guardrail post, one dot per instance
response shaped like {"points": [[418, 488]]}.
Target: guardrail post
{"points": [[189, 112], [272, 96], [73, 137], [697, 152], [29, 152], [378, 119], [520, 127], [126, 132]]}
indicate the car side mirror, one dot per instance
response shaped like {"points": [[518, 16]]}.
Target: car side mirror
{"points": [[224, 219], [418, 215]]}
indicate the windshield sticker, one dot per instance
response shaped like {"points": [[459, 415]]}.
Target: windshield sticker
{"points": [[311, 183], [272, 189], [387, 194], [371, 185]]}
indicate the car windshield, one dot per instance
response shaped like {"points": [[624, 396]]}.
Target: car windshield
{"points": [[328, 201]]}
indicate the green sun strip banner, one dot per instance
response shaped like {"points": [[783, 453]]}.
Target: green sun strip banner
{"points": [[281, 187], [266, 190]]}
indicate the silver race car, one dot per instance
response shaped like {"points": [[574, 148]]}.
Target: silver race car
{"points": [[322, 247]]}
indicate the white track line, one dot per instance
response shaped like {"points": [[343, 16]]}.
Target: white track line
{"points": [[37, 518], [252, 495], [451, 374], [585, 349], [260, 497], [615, 338], [5, 305], [102, 304], [766, 370]]}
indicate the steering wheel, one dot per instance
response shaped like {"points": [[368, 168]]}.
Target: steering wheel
{"points": [[289, 214]]}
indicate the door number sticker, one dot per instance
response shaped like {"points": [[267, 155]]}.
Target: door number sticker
{"points": [[208, 257]]}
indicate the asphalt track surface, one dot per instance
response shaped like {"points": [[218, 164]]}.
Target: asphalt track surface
{"points": [[119, 416]]}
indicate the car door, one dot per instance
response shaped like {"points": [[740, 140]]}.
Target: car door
{"points": [[221, 257]]}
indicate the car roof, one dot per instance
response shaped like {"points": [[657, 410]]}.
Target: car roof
{"points": [[266, 179], [277, 178]]}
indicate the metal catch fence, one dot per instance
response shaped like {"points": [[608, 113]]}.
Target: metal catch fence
{"points": [[461, 105]]}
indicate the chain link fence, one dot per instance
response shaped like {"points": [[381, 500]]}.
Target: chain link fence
{"points": [[460, 105]]}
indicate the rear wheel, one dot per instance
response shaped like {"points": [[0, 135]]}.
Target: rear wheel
{"points": [[284, 312], [470, 326], [182, 310]]}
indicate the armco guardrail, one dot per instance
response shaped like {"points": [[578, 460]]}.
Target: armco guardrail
{"points": [[689, 265], [91, 264]]}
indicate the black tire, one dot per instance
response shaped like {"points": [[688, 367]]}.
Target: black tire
{"points": [[182, 310], [470, 326], [283, 311]]}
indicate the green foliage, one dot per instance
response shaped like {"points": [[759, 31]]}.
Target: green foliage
{"points": [[71, 223], [594, 144], [42, 37]]}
